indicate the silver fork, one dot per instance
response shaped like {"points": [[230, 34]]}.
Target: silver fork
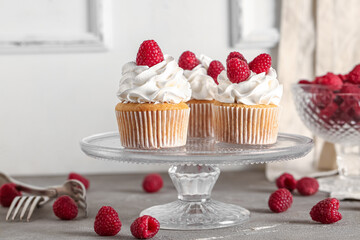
{"points": [[72, 188], [35, 201]]}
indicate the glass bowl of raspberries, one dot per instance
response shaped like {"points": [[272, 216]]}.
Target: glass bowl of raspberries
{"points": [[330, 107]]}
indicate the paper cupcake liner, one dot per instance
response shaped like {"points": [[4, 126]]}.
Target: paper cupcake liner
{"points": [[153, 129], [200, 123], [246, 125]]}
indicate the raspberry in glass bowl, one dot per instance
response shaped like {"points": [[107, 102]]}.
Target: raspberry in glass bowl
{"points": [[329, 106], [331, 115]]}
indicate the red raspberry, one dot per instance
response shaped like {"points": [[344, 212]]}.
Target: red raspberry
{"points": [[349, 109], [8, 192], [354, 112], [107, 222], [280, 200], [188, 60], [152, 183], [350, 102], [145, 227], [65, 208], [326, 211], [286, 180], [321, 96], [354, 75], [307, 186], [149, 54], [343, 77], [330, 111], [235, 55], [304, 82], [237, 70], [331, 80], [350, 88], [80, 178], [261, 63], [215, 68]]}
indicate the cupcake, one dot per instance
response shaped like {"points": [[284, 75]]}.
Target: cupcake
{"points": [[247, 106], [203, 89], [152, 112]]}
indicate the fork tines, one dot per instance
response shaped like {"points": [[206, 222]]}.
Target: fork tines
{"points": [[27, 203]]}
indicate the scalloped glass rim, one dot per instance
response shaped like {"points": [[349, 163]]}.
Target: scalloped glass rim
{"points": [[308, 87], [198, 151]]}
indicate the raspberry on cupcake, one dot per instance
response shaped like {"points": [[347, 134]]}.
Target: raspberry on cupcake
{"points": [[215, 68]]}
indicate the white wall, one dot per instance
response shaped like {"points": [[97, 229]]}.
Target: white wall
{"points": [[50, 101]]}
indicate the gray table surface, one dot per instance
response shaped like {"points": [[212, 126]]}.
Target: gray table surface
{"points": [[246, 188]]}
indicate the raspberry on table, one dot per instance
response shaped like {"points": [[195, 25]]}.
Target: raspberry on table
{"points": [[354, 75], [107, 222], [152, 183], [286, 180], [261, 63], [326, 211], [80, 178], [236, 55], [8, 192], [188, 60], [149, 54], [145, 227], [237, 70], [280, 200], [331, 80], [215, 68], [307, 186], [65, 208]]}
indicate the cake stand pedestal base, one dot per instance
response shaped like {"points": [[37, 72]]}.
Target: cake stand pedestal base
{"points": [[183, 215], [194, 208]]}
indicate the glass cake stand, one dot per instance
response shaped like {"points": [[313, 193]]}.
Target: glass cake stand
{"points": [[194, 171]]}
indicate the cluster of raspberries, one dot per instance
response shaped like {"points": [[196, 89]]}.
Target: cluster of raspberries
{"points": [[338, 97], [325, 211], [238, 69], [107, 221]]}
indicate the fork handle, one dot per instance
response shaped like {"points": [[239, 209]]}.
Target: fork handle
{"points": [[51, 193]]}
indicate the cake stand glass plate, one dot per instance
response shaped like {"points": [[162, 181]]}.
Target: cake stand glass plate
{"points": [[194, 171]]}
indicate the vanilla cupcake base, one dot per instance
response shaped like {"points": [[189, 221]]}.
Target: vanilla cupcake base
{"points": [[200, 122], [152, 126], [246, 124]]}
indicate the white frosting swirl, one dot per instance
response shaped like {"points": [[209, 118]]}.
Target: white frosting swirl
{"points": [[259, 88], [203, 86], [161, 83]]}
